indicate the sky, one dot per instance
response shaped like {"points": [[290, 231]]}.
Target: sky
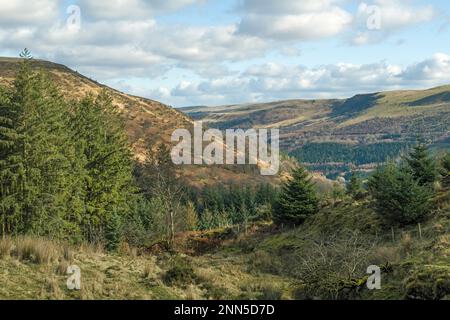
{"points": [[218, 52]]}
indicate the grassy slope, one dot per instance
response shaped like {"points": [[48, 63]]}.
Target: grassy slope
{"points": [[261, 262], [131, 276]]}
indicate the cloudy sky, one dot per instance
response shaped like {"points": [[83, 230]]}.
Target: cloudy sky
{"points": [[214, 52]]}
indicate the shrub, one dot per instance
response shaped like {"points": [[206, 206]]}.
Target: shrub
{"points": [[355, 187], [270, 292], [181, 273], [332, 267], [430, 282]]}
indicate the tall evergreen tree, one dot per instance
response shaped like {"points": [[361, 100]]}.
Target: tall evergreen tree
{"points": [[422, 165], [106, 164], [36, 169], [9, 165], [398, 197], [297, 200]]}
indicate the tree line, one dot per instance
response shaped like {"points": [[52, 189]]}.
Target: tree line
{"points": [[328, 152]]}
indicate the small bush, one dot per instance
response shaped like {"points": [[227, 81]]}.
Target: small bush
{"points": [[181, 273], [262, 261], [270, 292], [385, 255], [68, 254], [428, 283]]}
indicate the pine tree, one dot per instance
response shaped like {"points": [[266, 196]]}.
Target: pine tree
{"points": [[26, 54], [105, 161], [9, 165], [398, 197], [355, 187], [297, 200], [207, 220], [190, 218], [422, 165], [36, 170]]}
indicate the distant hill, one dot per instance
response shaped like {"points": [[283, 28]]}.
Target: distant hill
{"points": [[366, 127], [144, 119]]}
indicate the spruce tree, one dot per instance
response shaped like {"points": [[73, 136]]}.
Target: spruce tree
{"points": [[106, 164], [398, 197], [10, 175], [36, 170], [422, 165], [297, 200], [355, 187], [26, 54]]}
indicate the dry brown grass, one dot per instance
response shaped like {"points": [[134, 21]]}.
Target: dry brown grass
{"points": [[51, 289], [406, 243], [37, 250], [92, 249], [6, 247], [126, 249], [385, 255], [150, 271], [61, 269], [33, 249]]}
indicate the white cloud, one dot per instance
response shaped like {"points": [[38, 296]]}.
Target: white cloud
{"points": [[130, 9], [399, 13], [136, 48], [274, 81], [284, 6], [293, 20], [206, 44], [437, 68], [393, 15], [23, 12]]}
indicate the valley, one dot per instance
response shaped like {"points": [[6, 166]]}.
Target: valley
{"points": [[322, 133]]}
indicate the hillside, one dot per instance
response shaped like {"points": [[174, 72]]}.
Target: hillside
{"points": [[379, 124], [144, 118], [326, 257]]}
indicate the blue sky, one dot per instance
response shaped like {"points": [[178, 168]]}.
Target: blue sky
{"points": [[211, 52]]}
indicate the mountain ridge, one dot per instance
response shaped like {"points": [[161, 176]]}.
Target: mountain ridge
{"points": [[391, 120]]}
